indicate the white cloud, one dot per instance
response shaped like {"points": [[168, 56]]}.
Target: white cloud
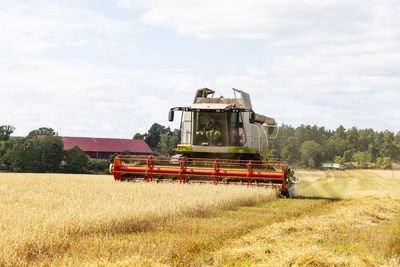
{"points": [[328, 63], [278, 22], [117, 102], [79, 98], [30, 26]]}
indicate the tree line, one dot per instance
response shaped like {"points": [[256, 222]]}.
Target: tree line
{"points": [[310, 146], [42, 150], [162, 140]]}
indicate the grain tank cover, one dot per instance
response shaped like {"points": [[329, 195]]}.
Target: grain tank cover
{"points": [[203, 100], [202, 93], [246, 98]]}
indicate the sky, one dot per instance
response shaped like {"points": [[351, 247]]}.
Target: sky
{"points": [[112, 68]]}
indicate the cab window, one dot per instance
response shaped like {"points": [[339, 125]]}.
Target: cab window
{"points": [[210, 128]]}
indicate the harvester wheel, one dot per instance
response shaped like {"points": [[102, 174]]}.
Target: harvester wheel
{"points": [[285, 194]]}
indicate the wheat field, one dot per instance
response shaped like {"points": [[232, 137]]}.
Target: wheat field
{"points": [[349, 183], [358, 232], [42, 215], [348, 218]]}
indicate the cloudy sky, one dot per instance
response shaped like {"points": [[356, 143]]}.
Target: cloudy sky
{"points": [[111, 68]]}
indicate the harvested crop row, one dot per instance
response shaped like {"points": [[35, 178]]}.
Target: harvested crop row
{"points": [[42, 214], [358, 232], [349, 183]]}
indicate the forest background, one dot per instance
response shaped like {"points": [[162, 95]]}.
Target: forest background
{"points": [[304, 146]]}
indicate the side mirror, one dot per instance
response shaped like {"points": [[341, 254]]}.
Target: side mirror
{"points": [[171, 115], [252, 118]]}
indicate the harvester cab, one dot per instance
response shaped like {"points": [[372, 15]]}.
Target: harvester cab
{"points": [[222, 140], [218, 127]]}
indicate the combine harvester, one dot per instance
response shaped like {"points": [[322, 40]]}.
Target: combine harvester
{"points": [[221, 142]]}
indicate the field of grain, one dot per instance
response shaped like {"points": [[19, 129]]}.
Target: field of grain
{"points": [[342, 218], [42, 215], [360, 232], [349, 183]]}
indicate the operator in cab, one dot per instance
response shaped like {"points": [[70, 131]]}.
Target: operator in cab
{"points": [[213, 131]]}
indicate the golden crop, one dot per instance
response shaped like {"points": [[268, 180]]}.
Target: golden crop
{"points": [[358, 232], [42, 214], [349, 183], [56, 219]]}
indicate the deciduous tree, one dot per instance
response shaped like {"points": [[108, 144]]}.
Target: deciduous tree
{"points": [[166, 144], [311, 154], [35, 154], [76, 161], [6, 131], [45, 131]]}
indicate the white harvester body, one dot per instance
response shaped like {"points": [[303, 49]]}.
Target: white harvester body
{"points": [[243, 132]]}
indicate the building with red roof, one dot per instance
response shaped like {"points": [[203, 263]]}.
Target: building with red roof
{"points": [[102, 148]]}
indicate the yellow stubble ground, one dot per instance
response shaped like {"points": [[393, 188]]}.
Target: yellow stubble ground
{"points": [[360, 228], [359, 232], [349, 183]]}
